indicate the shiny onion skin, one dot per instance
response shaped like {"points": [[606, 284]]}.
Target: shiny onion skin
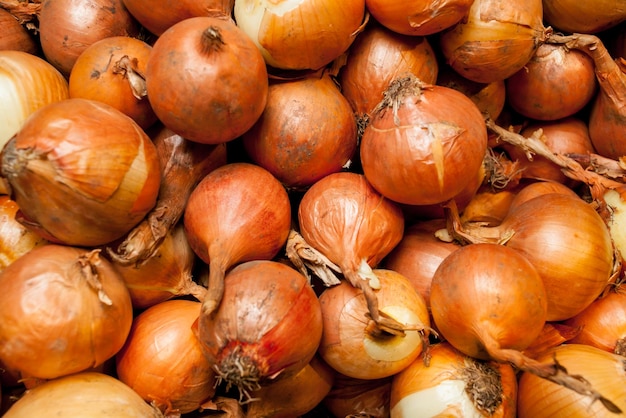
{"points": [[584, 16], [555, 83], [306, 131], [268, 326], [495, 40], [346, 220], [539, 398], [63, 310], [239, 212], [157, 17], [539, 188], [424, 143], [14, 36], [302, 34], [162, 359], [64, 36], [349, 346], [112, 71], [82, 172], [28, 83], [87, 394], [378, 56], [418, 18], [453, 384], [205, 54]]}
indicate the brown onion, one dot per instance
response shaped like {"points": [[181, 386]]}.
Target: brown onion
{"points": [[349, 344], [424, 144], [82, 172], [64, 36], [162, 359], [584, 16], [268, 326], [359, 397], [306, 131], [238, 212], [495, 40], [96, 395], [63, 310], [205, 54], [14, 36], [539, 188]]}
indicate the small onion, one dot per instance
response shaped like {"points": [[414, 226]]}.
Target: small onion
{"points": [[87, 394], [302, 34], [268, 327], [162, 359], [14, 36], [82, 172], [349, 344], [63, 310]]}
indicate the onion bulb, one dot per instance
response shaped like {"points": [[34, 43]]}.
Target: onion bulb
{"points": [[15, 36], [584, 16], [359, 397], [63, 310], [539, 188], [82, 172]]}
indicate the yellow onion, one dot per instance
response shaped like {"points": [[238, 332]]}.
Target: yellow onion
{"points": [[450, 383], [82, 172], [589, 16], [302, 34], [87, 394], [539, 398], [27, 83], [359, 397], [539, 188], [15, 36], [495, 40]]}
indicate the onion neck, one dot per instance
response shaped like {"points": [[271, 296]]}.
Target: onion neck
{"points": [[211, 40], [86, 267]]}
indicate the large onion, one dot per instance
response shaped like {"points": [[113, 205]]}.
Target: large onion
{"points": [[82, 172], [584, 16]]}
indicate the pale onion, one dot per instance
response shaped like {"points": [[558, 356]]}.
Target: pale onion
{"points": [[539, 398], [27, 83], [89, 394], [351, 346], [495, 40], [300, 34], [162, 359], [450, 383], [359, 397], [82, 172], [589, 16], [63, 310]]}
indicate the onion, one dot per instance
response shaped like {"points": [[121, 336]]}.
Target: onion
{"points": [[586, 17], [489, 206], [424, 144], [27, 83], [453, 384], [347, 221], [64, 35], [350, 345], [162, 359], [112, 71], [359, 397], [90, 394], [302, 34], [158, 17], [82, 172], [538, 398], [14, 36], [537, 189], [419, 18], [555, 83], [295, 395], [377, 57], [603, 323], [268, 326], [63, 310], [205, 54], [306, 131], [510, 316], [238, 212], [495, 40]]}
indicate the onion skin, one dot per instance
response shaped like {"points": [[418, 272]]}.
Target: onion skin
{"points": [[538, 398], [61, 191], [64, 310], [537, 189], [162, 359], [584, 17], [90, 394], [28, 83], [14, 36]]}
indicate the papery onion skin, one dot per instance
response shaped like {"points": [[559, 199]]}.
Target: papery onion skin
{"points": [[162, 359], [300, 35], [64, 310], [539, 398], [205, 54], [82, 172], [28, 83], [96, 395]]}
